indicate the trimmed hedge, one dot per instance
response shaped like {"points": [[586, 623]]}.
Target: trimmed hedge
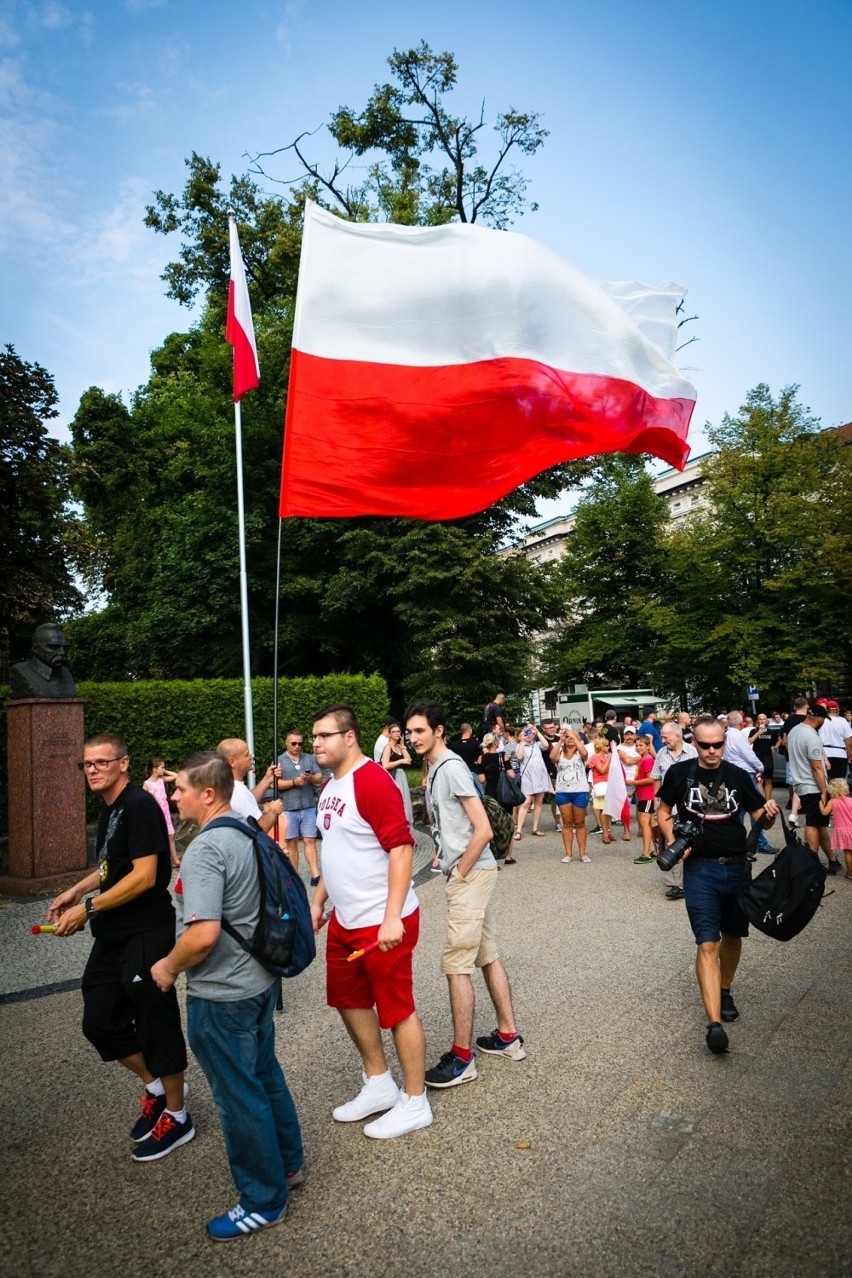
{"points": [[174, 719]]}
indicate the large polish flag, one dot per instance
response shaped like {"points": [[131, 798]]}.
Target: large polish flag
{"points": [[617, 801], [239, 330], [434, 369]]}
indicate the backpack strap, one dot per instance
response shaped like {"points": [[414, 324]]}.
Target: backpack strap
{"points": [[251, 832]]}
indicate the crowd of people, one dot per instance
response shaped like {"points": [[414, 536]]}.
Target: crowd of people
{"points": [[711, 770]]}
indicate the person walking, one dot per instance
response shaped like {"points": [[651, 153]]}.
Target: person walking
{"points": [[132, 920]]}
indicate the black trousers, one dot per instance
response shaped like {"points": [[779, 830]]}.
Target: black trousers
{"points": [[124, 1012]]}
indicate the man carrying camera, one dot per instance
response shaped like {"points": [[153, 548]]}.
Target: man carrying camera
{"points": [[709, 794]]}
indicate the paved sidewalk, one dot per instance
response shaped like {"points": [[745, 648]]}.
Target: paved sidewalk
{"points": [[619, 1147]]}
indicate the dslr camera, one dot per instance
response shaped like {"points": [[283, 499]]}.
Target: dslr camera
{"points": [[687, 834]]}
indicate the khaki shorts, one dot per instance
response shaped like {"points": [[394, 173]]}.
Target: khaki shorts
{"points": [[470, 924]]}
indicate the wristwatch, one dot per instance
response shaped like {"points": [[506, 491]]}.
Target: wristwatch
{"points": [[90, 908]]}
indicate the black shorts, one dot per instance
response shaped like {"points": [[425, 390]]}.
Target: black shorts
{"points": [[123, 1010], [644, 805], [813, 817], [837, 769]]}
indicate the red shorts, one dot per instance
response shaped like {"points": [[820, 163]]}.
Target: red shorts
{"points": [[381, 979]]}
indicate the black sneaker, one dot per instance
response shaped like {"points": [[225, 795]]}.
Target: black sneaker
{"points": [[451, 1070], [716, 1039], [493, 1043], [166, 1136], [833, 867], [152, 1108], [675, 894], [729, 1007]]}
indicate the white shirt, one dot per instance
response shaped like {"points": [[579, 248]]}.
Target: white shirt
{"points": [[243, 801], [834, 734], [379, 747], [360, 818]]}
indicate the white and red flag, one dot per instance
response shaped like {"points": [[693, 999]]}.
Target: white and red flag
{"points": [[617, 801], [434, 369], [239, 330]]}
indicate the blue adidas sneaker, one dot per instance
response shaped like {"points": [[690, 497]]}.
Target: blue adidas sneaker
{"points": [[238, 1223]]}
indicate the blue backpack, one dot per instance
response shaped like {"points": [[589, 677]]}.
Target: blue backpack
{"points": [[283, 940]]}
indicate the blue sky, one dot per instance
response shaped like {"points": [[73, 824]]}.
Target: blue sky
{"points": [[709, 145]]}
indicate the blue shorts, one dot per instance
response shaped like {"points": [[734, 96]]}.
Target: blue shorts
{"points": [[579, 798], [302, 823], [711, 898]]}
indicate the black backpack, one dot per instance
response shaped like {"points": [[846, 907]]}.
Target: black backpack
{"points": [[785, 896], [283, 940]]}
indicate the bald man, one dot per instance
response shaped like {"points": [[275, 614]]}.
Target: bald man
{"points": [[243, 800]]}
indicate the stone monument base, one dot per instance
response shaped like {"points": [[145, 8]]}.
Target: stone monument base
{"points": [[47, 795]]}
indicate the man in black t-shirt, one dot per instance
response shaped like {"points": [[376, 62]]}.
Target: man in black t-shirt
{"points": [[492, 716], [125, 1016], [711, 792]]}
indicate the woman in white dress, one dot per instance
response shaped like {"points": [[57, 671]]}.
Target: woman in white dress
{"points": [[535, 781], [395, 759]]}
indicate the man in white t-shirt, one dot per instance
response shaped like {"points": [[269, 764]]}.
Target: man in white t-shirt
{"points": [[463, 833], [836, 737], [366, 872], [245, 801]]}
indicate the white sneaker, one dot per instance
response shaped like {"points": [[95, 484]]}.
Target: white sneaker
{"points": [[409, 1114], [566, 860], [586, 860], [378, 1094]]}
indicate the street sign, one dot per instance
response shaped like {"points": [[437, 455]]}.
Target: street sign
{"points": [[753, 693]]}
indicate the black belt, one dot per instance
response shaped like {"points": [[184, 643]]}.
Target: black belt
{"points": [[722, 860]]}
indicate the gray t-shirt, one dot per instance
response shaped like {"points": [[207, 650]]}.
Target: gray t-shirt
{"points": [[449, 781], [803, 744], [218, 878]]}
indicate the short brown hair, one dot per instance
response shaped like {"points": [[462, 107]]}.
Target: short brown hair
{"points": [[118, 743], [208, 770], [343, 716]]}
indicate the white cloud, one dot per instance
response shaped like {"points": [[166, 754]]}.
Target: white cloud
{"points": [[31, 205], [284, 29]]}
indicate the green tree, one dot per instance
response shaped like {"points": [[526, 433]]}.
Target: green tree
{"points": [[613, 562], [757, 587], [425, 167], [40, 537]]}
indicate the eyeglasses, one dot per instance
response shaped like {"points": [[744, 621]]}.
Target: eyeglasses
{"points": [[98, 765], [710, 745], [323, 736]]}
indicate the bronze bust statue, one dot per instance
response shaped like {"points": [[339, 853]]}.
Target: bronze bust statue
{"points": [[45, 673]]}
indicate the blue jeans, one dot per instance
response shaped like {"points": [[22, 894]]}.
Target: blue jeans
{"points": [[234, 1043]]}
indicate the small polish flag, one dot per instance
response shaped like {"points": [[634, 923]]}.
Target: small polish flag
{"points": [[240, 330]]}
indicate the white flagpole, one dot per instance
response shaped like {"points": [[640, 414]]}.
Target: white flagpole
{"points": [[241, 514]]}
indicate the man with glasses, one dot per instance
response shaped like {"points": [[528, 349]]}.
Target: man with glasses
{"points": [[299, 774], [366, 872], [711, 792], [132, 918], [245, 802]]}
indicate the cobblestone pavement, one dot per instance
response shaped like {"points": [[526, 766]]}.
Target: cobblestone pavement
{"points": [[619, 1147]]}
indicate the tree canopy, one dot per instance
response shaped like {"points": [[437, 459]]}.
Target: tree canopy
{"points": [[41, 539]]}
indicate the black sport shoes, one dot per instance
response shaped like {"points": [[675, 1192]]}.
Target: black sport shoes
{"points": [[729, 1007], [494, 1044], [717, 1039], [451, 1070]]}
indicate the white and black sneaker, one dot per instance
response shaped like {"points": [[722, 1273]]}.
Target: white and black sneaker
{"points": [[451, 1070], [497, 1046]]}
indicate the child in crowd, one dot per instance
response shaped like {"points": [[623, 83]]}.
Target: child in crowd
{"points": [[156, 777], [838, 806]]}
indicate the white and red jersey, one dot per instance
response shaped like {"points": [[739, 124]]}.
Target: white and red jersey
{"points": [[360, 818]]}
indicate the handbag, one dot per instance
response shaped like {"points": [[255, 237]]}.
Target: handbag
{"points": [[509, 792], [784, 897]]}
